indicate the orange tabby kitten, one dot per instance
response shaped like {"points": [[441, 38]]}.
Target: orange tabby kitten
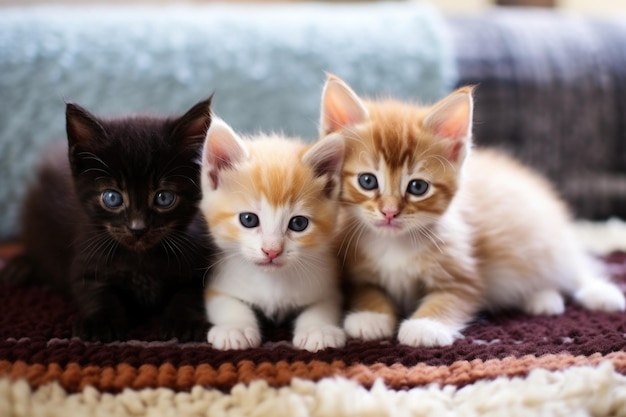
{"points": [[271, 204], [433, 234]]}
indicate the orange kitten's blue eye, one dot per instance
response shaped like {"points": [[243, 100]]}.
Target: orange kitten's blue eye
{"points": [[417, 187], [249, 220], [164, 199], [368, 181], [298, 223], [112, 199]]}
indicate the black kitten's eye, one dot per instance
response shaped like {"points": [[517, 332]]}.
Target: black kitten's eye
{"points": [[112, 199], [368, 181], [249, 220], [417, 187], [298, 223], [164, 199]]}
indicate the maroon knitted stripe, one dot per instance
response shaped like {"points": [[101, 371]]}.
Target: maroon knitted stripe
{"points": [[32, 321]]}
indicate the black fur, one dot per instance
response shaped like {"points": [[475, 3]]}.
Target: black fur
{"points": [[130, 263]]}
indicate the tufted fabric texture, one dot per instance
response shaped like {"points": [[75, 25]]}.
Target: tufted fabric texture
{"points": [[41, 364]]}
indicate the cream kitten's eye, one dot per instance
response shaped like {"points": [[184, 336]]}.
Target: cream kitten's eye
{"points": [[298, 223], [417, 187], [112, 199], [249, 220], [368, 181]]}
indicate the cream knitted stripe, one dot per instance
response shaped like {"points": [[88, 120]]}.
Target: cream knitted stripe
{"points": [[576, 391]]}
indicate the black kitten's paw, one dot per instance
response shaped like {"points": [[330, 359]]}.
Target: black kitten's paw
{"points": [[184, 330], [99, 330]]}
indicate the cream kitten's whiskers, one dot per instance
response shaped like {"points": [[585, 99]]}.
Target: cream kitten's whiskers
{"points": [[272, 206]]}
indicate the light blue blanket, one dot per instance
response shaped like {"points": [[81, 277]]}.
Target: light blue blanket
{"points": [[265, 63]]}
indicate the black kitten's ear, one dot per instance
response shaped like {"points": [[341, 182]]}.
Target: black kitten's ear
{"points": [[191, 128], [81, 126]]}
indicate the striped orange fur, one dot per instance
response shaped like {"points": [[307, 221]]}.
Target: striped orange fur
{"points": [[432, 233]]}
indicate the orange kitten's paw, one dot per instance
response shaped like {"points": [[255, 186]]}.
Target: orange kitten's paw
{"points": [[601, 296], [369, 326], [545, 303], [234, 337], [318, 338], [427, 333]]}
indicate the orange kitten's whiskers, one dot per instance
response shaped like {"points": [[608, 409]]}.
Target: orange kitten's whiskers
{"points": [[420, 231], [465, 243], [355, 228]]}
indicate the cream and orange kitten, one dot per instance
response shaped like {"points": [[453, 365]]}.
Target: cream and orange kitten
{"points": [[271, 204], [432, 234]]}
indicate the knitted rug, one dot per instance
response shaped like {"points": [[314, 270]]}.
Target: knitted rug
{"points": [[510, 364]]}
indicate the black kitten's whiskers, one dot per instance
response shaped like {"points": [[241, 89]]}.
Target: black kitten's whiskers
{"points": [[124, 258]]}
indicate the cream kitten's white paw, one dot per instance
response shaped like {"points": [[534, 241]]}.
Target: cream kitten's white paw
{"points": [[427, 333], [601, 296], [544, 303], [226, 337], [369, 326], [318, 338]]}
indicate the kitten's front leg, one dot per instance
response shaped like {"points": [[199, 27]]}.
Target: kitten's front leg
{"points": [[439, 319], [103, 317], [372, 314], [317, 326], [184, 317], [234, 323]]}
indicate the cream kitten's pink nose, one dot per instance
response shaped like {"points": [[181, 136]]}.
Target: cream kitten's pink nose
{"points": [[272, 253]]}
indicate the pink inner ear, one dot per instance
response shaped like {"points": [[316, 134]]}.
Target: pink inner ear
{"points": [[218, 156], [217, 159], [213, 178], [455, 150], [337, 117], [455, 125]]}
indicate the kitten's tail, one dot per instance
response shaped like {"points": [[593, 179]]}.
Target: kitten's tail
{"points": [[595, 291]]}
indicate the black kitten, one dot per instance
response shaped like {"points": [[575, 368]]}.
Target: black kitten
{"points": [[117, 225]]}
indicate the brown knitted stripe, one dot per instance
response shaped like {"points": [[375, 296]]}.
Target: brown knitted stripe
{"points": [[74, 378]]}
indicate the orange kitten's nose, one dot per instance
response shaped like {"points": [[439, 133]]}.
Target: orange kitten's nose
{"points": [[389, 213], [272, 253]]}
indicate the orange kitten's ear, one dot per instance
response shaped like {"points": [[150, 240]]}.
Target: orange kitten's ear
{"points": [[451, 118], [326, 159], [223, 148], [341, 107]]}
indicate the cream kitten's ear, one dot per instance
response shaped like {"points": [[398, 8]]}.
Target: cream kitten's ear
{"points": [[341, 107], [223, 148], [326, 158], [451, 118]]}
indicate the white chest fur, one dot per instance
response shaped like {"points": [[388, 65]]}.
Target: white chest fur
{"points": [[276, 292], [399, 265]]}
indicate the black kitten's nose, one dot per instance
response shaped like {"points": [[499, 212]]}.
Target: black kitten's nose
{"points": [[137, 227], [138, 232]]}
